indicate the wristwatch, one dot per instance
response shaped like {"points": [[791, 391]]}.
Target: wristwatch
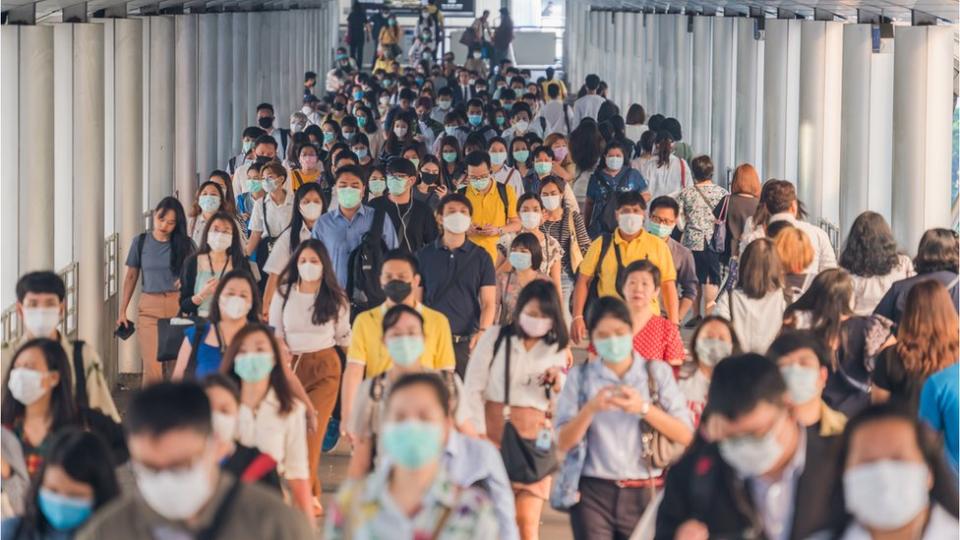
{"points": [[644, 409]]}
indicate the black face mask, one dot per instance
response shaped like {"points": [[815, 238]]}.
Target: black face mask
{"points": [[397, 291], [337, 106], [265, 121], [429, 178]]}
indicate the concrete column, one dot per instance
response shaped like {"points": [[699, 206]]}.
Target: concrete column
{"points": [[64, 177], [651, 71], [667, 62], [629, 48], [162, 101], [224, 97], [89, 172], [821, 53], [241, 74], [922, 120], [208, 93], [185, 117], [274, 28], [781, 99], [36, 136], [724, 97], [128, 155], [700, 129], [684, 72], [618, 77], [254, 65], [749, 84], [866, 130], [10, 155]]}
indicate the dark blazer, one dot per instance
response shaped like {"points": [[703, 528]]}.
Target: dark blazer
{"points": [[458, 95], [703, 487]]}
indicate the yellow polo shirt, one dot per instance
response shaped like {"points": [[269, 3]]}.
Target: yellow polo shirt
{"points": [[367, 348], [297, 178], [644, 246], [488, 210]]}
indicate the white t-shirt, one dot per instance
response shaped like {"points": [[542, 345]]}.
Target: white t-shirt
{"points": [[511, 177], [868, 291], [280, 254], [757, 321], [588, 105], [667, 180], [293, 323], [282, 436], [278, 216]]}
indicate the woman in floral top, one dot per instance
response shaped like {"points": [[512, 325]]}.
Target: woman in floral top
{"points": [[697, 203], [524, 260], [409, 495], [531, 212]]}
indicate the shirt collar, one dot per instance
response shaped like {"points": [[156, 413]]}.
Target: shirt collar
{"points": [[463, 247], [782, 216], [619, 239], [361, 211]]}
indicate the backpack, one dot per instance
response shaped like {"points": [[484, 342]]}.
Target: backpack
{"points": [[502, 192], [363, 268], [607, 220], [593, 290]]}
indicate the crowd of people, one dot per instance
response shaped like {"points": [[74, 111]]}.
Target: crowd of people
{"points": [[416, 269]]}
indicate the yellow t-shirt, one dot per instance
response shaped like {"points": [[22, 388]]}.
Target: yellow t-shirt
{"points": [[644, 246], [366, 341], [297, 178], [488, 210]]}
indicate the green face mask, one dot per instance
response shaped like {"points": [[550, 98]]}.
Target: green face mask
{"points": [[396, 185], [348, 197], [542, 167]]}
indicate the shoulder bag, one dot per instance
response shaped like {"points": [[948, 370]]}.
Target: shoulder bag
{"points": [[660, 451]]}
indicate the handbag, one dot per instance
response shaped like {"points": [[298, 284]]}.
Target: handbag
{"points": [[659, 450], [718, 240], [170, 336], [523, 459], [565, 491]]}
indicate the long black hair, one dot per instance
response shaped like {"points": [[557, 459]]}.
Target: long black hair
{"points": [[80, 454], [870, 249], [255, 302], [545, 293], [296, 218], [235, 252], [180, 243], [330, 298], [63, 407]]}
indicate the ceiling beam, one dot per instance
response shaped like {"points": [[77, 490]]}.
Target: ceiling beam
{"points": [[76, 13], [25, 14]]}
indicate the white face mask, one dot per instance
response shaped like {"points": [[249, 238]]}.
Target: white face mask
{"points": [[630, 223], [400, 131], [26, 385], [801, 382], [224, 426], [521, 126], [886, 494], [456, 223], [711, 351], [751, 456], [41, 321], [530, 220], [551, 202], [177, 494], [311, 211], [234, 307], [310, 271], [219, 241]]}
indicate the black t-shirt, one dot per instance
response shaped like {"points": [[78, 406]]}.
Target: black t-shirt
{"points": [[890, 375], [249, 463], [355, 23], [413, 221]]}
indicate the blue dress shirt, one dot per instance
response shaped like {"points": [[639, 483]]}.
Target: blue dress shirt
{"points": [[341, 236]]}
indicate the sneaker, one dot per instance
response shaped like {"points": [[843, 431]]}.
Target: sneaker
{"points": [[693, 322], [332, 435]]}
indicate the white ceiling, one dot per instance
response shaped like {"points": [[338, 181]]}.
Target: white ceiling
{"points": [[948, 10]]}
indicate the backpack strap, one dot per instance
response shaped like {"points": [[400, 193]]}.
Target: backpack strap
{"points": [[213, 530], [378, 387], [258, 468], [298, 180], [79, 374], [199, 332], [502, 191], [141, 240], [683, 175]]}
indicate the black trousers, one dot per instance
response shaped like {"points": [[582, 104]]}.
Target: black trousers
{"points": [[607, 512], [461, 350], [356, 51]]}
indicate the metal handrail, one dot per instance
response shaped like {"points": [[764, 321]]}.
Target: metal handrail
{"points": [[10, 326], [111, 268], [68, 326], [833, 233], [148, 220]]}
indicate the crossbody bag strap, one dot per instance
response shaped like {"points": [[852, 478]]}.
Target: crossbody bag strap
{"points": [[225, 508], [506, 377], [79, 373]]}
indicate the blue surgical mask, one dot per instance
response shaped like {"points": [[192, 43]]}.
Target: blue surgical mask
{"points": [[412, 444], [614, 163], [449, 157], [475, 119], [405, 350], [377, 185], [396, 185], [62, 512], [328, 137], [361, 121], [360, 152], [253, 366], [254, 186], [209, 203], [450, 130], [480, 184], [521, 155], [357, 95], [348, 197], [498, 158], [521, 260], [614, 349], [658, 230]]}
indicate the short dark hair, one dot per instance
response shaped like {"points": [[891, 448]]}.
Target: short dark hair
{"points": [[219, 380], [937, 251], [454, 197], [308, 76], [529, 242], [702, 168], [477, 158], [475, 103], [665, 201], [608, 306], [392, 316], [40, 282], [592, 81], [252, 132], [265, 139], [166, 406], [265, 106], [401, 255], [630, 198], [355, 170], [672, 126], [553, 91], [643, 265], [429, 379], [795, 340], [780, 194], [402, 165], [741, 382]]}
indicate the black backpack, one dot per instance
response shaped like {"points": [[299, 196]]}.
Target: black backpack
{"points": [[363, 268]]}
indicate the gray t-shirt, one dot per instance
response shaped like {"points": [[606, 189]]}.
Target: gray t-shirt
{"points": [[155, 266]]}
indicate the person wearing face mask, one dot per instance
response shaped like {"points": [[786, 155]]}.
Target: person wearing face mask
{"points": [[521, 267], [412, 219], [597, 412], [557, 114], [476, 120], [266, 119], [40, 307], [220, 251], [758, 471], [805, 364], [664, 211], [361, 148], [410, 493], [610, 179], [530, 210], [180, 487], [495, 204], [520, 364], [308, 206], [429, 189], [310, 168], [265, 149], [311, 315], [545, 165], [234, 303], [894, 480], [208, 202], [399, 137], [564, 224], [247, 138], [254, 194], [502, 172], [271, 214], [713, 340], [459, 278], [602, 270], [521, 123], [444, 105], [247, 463], [73, 483], [376, 183]]}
